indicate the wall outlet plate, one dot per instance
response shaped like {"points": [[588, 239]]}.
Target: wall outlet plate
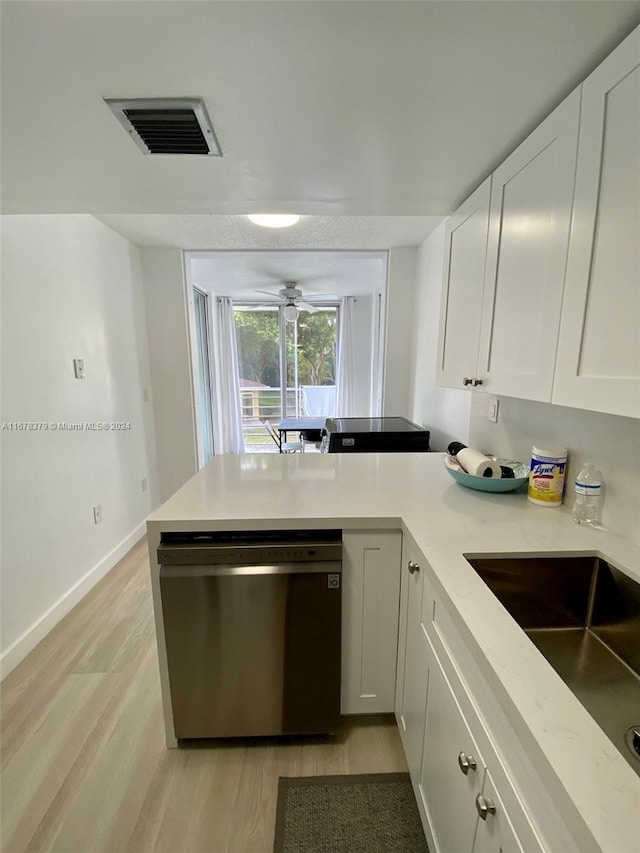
{"points": [[97, 514], [493, 410], [78, 368], [145, 484]]}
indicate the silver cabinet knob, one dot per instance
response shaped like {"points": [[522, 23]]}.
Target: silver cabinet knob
{"points": [[467, 380], [476, 382], [413, 567], [466, 762], [485, 806]]}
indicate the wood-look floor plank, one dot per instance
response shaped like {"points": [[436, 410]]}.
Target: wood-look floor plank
{"points": [[84, 765]]}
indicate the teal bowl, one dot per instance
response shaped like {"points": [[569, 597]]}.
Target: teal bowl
{"points": [[489, 484]]}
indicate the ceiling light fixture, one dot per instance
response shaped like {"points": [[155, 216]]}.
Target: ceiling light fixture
{"points": [[274, 220], [290, 313]]}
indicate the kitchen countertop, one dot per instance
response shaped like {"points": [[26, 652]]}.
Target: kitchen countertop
{"points": [[414, 493]]}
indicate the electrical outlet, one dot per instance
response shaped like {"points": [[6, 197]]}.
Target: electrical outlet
{"points": [[145, 484], [97, 514], [493, 410], [78, 368]]}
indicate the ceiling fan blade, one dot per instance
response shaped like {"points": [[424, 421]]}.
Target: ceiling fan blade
{"points": [[304, 306], [270, 293], [321, 296]]}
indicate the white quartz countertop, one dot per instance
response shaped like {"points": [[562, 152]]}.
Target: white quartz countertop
{"points": [[413, 492]]}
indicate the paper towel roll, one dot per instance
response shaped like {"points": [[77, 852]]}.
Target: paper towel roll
{"points": [[478, 464]]}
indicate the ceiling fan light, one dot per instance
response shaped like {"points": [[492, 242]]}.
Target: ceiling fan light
{"points": [[274, 220], [290, 313]]}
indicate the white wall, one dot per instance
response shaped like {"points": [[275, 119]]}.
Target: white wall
{"points": [[444, 411], [612, 442], [170, 358], [71, 289]]}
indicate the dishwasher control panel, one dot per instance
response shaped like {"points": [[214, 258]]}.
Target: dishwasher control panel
{"points": [[249, 547]]}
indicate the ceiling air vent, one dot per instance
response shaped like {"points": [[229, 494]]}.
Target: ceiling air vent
{"points": [[167, 125]]}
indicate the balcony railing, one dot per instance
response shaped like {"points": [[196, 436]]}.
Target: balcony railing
{"points": [[261, 404]]}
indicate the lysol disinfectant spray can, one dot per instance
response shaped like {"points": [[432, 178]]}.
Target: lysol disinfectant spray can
{"points": [[546, 478]]}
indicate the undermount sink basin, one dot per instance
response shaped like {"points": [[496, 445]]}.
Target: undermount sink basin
{"points": [[584, 617]]}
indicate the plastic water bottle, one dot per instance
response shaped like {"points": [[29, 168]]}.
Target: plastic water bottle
{"points": [[587, 508]]}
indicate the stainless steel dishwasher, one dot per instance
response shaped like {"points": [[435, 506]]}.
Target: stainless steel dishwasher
{"points": [[252, 625]]}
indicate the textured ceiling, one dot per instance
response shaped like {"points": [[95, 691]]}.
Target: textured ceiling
{"points": [[242, 274], [321, 108], [236, 232]]}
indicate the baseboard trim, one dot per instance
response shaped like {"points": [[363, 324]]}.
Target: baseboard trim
{"points": [[26, 642]]}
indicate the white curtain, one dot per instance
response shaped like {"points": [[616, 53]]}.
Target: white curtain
{"points": [[228, 438], [345, 371], [319, 400]]}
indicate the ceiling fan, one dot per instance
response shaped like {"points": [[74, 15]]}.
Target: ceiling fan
{"points": [[293, 300]]}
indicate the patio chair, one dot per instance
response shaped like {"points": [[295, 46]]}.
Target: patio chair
{"points": [[284, 446]]}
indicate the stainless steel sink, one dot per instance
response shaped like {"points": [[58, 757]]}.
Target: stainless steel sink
{"points": [[584, 617]]}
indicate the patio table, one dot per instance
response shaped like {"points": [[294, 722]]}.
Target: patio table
{"points": [[299, 425]]}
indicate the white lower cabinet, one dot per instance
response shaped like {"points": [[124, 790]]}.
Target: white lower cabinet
{"points": [[494, 831], [411, 684], [370, 595], [452, 769], [466, 798]]}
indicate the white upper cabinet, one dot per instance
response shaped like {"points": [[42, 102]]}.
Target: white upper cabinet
{"points": [[466, 247], [549, 308], [529, 223], [598, 364]]}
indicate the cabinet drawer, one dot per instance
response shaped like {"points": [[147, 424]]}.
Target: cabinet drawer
{"points": [[453, 768], [489, 726], [494, 830]]}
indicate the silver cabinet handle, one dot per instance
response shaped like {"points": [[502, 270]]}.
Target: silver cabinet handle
{"points": [[485, 806], [476, 382], [413, 567], [467, 381], [466, 762]]}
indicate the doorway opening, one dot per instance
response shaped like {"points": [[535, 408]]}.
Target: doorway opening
{"points": [[289, 335]]}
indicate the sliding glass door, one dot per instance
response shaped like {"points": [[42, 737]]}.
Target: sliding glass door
{"points": [[287, 369]]}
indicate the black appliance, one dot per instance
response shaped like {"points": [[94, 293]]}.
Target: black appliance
{"points": [[374, 435]]}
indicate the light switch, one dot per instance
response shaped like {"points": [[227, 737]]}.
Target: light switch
{"points": [[493, 410], [78, 368]]}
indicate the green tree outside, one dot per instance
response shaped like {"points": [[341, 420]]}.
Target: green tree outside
{"points": [[258, 336]]}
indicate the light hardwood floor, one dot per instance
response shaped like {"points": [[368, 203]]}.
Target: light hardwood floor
{"points": [[83, 763]]}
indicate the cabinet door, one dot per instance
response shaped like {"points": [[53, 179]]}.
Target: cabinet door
{"points": [[494, 833], [599, 350], [370, 594], [412, 666], [466, 246], [448, 794], [531, 200]]}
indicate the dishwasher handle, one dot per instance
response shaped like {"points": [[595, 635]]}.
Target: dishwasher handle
{"points": [[321, 566]]}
